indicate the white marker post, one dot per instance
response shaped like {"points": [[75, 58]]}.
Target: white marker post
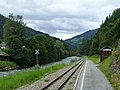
{"points": [[37, 52]]}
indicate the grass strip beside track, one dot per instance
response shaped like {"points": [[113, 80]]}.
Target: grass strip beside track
{"points": [[95, 59], [26, 77]]}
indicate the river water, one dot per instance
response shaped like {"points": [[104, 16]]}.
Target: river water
{"points": [[65, 61]]}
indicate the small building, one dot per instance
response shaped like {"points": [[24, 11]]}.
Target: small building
{"points": [[2, 45], [4, 56], [105, 52]]}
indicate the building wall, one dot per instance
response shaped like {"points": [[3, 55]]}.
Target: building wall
{"points": [[3, 58], [105, 54]]}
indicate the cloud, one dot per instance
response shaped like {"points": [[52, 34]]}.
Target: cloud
{"points": [[61, 18]]}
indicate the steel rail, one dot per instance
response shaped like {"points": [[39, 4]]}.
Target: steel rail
{"points": [[62, 85], [55, 80]]}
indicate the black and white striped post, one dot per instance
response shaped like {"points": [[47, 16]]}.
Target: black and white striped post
{"points": [[37, 53]]}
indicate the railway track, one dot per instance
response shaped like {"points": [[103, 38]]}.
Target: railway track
{"points": [[59, 82]]}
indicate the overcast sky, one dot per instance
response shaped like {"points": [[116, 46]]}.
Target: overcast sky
{"points": [[60, 18]]}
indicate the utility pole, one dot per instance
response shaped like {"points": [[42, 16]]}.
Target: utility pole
{"points": [[37, 53]]}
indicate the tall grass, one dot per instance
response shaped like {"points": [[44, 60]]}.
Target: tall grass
{"points": [[113, 77], [26, 77], [6, 65], [105, 65], [95, 59]]}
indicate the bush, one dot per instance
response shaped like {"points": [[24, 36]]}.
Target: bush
{"points": [[7, 65]]}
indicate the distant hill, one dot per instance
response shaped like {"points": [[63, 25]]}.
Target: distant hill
{"points": [[77, 40], [30, 31]]}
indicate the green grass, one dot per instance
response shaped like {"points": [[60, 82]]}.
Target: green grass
{"points": [[95, 59], [7, 64], [26, 77], [105, 65], [113, 77], [46, 80]]}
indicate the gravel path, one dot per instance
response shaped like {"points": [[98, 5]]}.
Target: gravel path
{"points": [[42, 82], [70, 84], [59, 82]]}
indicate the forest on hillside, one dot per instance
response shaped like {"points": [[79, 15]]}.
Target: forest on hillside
{"points": [[21, 47], [108, 34]]}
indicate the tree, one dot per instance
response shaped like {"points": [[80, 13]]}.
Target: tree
{"points": [[14, 36], [50, 49], [14, 29]]}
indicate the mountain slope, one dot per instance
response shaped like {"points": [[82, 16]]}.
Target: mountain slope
{"points": [[78, 40], [51, 49], [2, 21], [30, 31], [108, 34]]}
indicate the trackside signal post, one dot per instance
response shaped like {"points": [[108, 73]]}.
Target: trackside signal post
{"points": [[37, 53]]}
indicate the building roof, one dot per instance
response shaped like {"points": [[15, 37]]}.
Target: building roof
{"points": [[3, 53], [106, 48], [3, 45]]}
